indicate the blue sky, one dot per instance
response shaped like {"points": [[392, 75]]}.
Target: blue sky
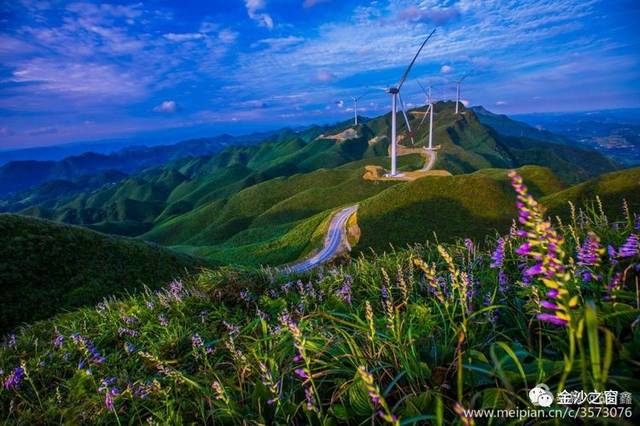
{"points": [[82, 70]]}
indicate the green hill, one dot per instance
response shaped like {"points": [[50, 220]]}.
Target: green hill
{"points": [[477, 204], [47, 268]]}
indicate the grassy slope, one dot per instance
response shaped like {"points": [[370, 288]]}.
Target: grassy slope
{"points": [[610, 187], [452, 206], [47, 268], [411, 212], [271, 222]]}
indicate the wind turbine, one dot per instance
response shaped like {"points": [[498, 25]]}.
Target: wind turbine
{"points": [[458, 83], [430, 111], [355, 108], [394, 91]]}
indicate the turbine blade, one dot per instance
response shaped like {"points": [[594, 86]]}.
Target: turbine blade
{"points": [[406, 119], [422, 87], [423, 118], [406, 73]]}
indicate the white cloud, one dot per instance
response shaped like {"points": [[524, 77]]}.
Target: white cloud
{"points": [[253, 10], [166, 106], [446, 69], [501, 102], [179, 38], [227, 36], [325, 76]]}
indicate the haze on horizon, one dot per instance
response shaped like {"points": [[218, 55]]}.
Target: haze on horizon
{"points": [[90, 70]]}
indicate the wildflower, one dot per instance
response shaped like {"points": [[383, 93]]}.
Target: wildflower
{"points": [[58, 340], [123, 331], [231, 328], [631, 247], [497, 258], [196, 341], [176, 290], [89, 347], [469, 245], [267, 380], [150, 305], [14, 379], [203, 315], [11, 341], [246, 295], [301, 373], [503, 281], [384, 292], [311, 401], [108, 398], [101, 308], [141, 391], [376, 397], [129, 347], [262, 315], [637, 221], [545, 246], [129, 320], [344, 292], [163, 320], [589, 253], [219, 392]]}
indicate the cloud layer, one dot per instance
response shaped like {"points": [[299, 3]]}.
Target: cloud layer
{"points": [[91, 70]]}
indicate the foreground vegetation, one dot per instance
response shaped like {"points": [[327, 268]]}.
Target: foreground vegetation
{"points": [[406, 337]]}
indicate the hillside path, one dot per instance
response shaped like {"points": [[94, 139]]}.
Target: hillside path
{"points": [[336, 235]]}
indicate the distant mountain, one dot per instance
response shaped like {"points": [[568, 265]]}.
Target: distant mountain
{"points": [[47, 268], [507, 126], [261, 203], [18, 176], [615, 133]]}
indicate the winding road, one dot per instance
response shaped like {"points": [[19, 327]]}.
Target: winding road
{"points": [[336, 234]]}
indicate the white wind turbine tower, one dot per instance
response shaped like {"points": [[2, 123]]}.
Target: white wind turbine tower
{"points": [[430, 111], [394, 91], [355, 108], [458, 83]]}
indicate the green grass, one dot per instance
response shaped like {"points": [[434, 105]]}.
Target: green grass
{"points": [[477, 204], [424, 330], [48, 268]]}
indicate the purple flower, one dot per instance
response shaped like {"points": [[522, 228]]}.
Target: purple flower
{"points": [[589, 253], [58, 341], [375, 398], [14, 379], [552, 319], [497, 258], [503, 281], [231, 328], [129, 347], [631, 247], [163, 320], [108, 398], [344, 292], [129, 320], [549, 305], [308, 395], [11, 341], [196, 341], [150, 305], [524, 249], [533, 270], [123, 331], [469, 245], [384, 292], [552, 293], [176, 289], [301, 373]]}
